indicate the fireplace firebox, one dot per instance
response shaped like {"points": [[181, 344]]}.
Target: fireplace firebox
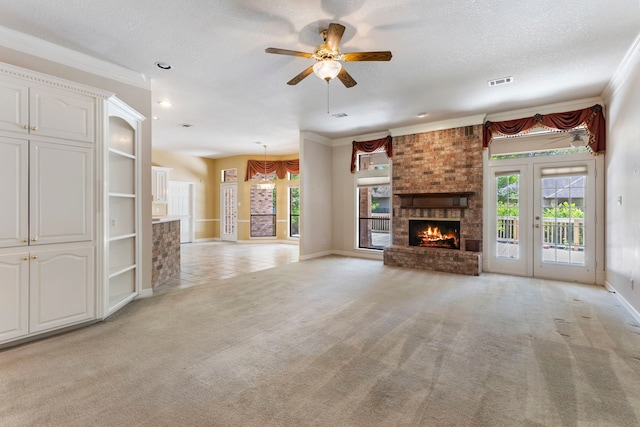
{"points": [[434, 233]]}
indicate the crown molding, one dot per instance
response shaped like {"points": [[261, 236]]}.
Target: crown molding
{"points": [[366, 137], [629, 63], [45, 79], [46, 50], [314, 137], [477, 119], [545, 109]]}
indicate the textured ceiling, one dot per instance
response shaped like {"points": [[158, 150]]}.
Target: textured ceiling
{"points": [[235, 94]]}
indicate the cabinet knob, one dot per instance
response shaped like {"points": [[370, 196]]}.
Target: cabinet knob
{"points": [[25, 240], [25, 258], [34, 239], [34, 128], [34, 257], [25, 127]]}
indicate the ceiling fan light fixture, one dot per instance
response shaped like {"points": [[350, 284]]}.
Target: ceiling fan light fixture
{"points": [[327, 69], [577, 141]]}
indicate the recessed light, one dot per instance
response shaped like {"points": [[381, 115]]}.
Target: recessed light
{"points": [[185, 125], [163, 65], [165, 103], [421, 115], [156, 118]]}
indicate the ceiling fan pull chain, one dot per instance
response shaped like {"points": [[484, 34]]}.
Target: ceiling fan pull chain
{"points": [[327, 96]]}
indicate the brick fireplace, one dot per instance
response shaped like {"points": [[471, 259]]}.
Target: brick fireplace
{"points": [[438, 176]]}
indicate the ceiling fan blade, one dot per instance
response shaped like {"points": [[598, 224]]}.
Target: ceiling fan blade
{"points": [[297, 79], [334, 35], [367, 56], [287, 52], [346, 78]]}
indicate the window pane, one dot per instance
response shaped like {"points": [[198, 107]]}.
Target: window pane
{"points": [[230, 175], [563, 202], [373, 217], [263, 212], [294, 211], [508, 215], [373, 161]]}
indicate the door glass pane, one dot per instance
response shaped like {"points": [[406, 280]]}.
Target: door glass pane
{"points": [[229, 219], [563, 212], [508, 216]]}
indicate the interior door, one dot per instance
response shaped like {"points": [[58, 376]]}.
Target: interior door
{"points": [[542, 218], [229, 212], [181, 204]]}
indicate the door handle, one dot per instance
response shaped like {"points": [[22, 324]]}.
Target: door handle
{"points": [[537, 225]]}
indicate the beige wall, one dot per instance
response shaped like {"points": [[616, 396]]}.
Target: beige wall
{"points": [[623, 182], [137, 98], [207, 176]]}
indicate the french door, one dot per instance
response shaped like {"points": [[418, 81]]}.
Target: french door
{"points": [[542, 217], [229, 212]]}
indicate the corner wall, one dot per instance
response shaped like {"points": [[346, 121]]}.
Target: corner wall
{"points": [[623, 186]]}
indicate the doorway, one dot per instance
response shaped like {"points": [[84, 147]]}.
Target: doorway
{"points": [[542, 217]]}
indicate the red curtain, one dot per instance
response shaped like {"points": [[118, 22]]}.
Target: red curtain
{"points": [[370, 147], [280, 167], [592, 118]]}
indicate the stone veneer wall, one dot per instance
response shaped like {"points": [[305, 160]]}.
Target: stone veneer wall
{"points": [[165, 251], [444, 161]]}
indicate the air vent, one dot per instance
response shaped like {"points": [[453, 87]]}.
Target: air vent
{"points": [[185, 125], [339, 115], [501, 81]]}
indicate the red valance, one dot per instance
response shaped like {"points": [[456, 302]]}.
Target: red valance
{"points": [[280, 167], [370, 147], [592, 118]]}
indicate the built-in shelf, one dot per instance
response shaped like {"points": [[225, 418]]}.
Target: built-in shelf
{"points": [[116, 270], [122, 153], [131, 196], [458, 200], [122, 237]]}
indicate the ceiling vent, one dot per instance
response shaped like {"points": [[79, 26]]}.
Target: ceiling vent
{"points": [[185, 125], [500, 81], [339, 115]]}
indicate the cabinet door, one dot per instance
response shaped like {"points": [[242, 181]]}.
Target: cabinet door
{"points": [[14, 296], [61, 288], [14, 179], [14, 106], [61, 114], [61, 202]]}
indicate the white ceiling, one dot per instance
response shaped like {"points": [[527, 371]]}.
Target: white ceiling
{"points": [[235, 94]]}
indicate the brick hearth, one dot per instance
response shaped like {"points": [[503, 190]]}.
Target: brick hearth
{"points": [[445, 161]]}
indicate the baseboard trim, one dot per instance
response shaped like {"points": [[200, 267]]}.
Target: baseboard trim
{"points": [[316, 255], [145, 293], [356, 254], [626, 304]]}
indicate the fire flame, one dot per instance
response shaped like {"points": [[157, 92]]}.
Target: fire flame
{"points": [[433, 235]]}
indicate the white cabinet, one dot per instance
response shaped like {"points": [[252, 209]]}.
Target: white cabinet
{"points": [[39, 110], [160, 184], [123, 214], [14, 289], [49, 150], [45, 288], [47, 192]]}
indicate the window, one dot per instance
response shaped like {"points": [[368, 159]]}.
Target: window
{"points": [[508, 215], [294, 211], [373, 200], [230, 175], [293, 176], [263, 212]]}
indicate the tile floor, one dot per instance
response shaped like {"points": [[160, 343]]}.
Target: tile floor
{"points": [[204, 263]]}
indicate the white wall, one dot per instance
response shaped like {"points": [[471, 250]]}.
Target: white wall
{"points": [[623, 180], [315, 196]]}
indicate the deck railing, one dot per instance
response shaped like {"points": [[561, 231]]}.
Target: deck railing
{"points": [[556, 232]]}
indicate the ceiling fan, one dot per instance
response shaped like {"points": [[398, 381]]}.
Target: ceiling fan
{"points": [[328, 55], [576, 137]]}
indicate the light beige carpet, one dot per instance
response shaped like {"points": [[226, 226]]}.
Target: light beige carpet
{"points": [[339, 342]]}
